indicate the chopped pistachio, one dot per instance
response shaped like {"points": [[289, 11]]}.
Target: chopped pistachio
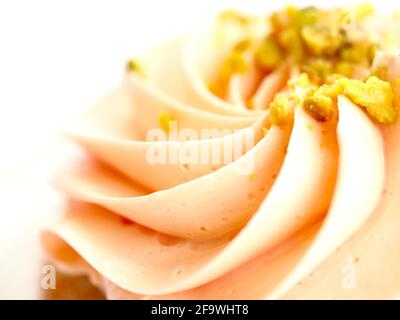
{"points": [[280, 110], [318, 44], [318, 69], [293, 16], [308, 15], [134, 66], [290, 40], [287, 25], [344, 68], [234, 63], [331, 90], [375, 95], [268, 55], [320, 106], [282, 19], [352, 54], [358, 53], [302, 81], [242, 45], [331, 79], [164, 119], [321, 41]]}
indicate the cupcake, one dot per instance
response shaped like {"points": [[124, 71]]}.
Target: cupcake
{"points": [[256, 159]]}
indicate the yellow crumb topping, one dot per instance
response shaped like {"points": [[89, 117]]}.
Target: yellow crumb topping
{"points": [[319, 41], [280, 110], [322, 41], [302, 81], [318, 69], [235, 63], [331, 50], [133, 65], [290, 41], [330, 90], [375, 95], [344, 68], [242, 45], [321, 107], [268, 55]]}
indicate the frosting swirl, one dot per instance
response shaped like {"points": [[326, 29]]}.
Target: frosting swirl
{"points": [[167, 218]]}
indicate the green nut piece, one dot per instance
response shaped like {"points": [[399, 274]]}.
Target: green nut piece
{"points": [[375, 95], [321, 107], [280, 110], [321, 41], [268, 55]]}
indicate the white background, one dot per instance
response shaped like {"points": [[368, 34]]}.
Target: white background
{"points": [[57, 57]]}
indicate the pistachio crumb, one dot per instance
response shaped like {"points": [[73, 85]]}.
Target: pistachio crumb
{"points": [[321, 102], [320, 106], [321, 40], [302, 81], [133, 65], [234, 63], [344, 68], [268, 55], [328, 55], [375, 95], [290, 40], [318, 69], [280, 111], [242, 45]]}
